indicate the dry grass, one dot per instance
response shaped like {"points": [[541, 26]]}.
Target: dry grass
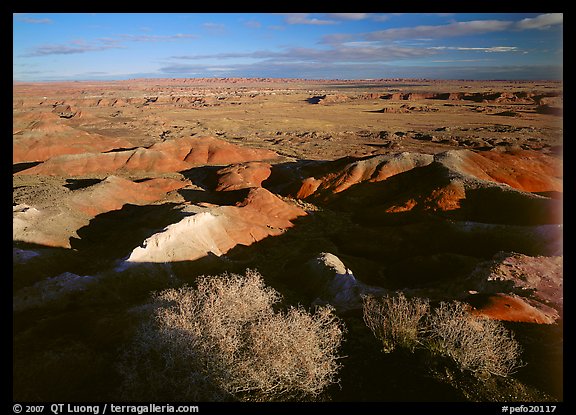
{"points": [[223, 341]]}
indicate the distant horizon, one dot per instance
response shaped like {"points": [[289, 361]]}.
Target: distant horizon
{"points": [[316, 46], [394, 79], [557, 78]]}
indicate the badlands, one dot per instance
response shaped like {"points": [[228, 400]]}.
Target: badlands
{"points": [[446, 190]]}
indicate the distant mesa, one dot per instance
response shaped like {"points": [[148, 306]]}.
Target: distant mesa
{"points": [[405, 109], [520, 97]]}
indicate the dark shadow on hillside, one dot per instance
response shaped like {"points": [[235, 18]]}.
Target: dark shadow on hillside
{"points": [[315, 99], [114, 234], [222, 198], [75, 184], [203, 176], [18, 167], [121, 149], [380, 111], [546, 109], [503, 206], [33, 262]]}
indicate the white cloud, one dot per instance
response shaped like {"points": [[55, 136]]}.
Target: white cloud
{"points": [[214, 27], [348, 16], [35, 21], [336, 38], [157, 38], [304, 18], [459, 60], [101, 44], [474, 27], [253, 24], [353, 53], [74, 48], [488, 49], [219, 69], [544, 21], [468, 28]]}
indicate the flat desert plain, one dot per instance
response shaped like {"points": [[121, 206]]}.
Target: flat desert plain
{"points": [[331, 190]]}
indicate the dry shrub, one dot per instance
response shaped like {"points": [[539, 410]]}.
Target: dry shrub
{"points": [[478, 344], [395, 320], [224, 341]]}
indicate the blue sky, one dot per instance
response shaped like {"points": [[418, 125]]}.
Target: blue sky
{"points": [[92, 46]]}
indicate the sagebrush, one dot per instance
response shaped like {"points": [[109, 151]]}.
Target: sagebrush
{"points": [[395, 320], [224, 341], [476, 344]]}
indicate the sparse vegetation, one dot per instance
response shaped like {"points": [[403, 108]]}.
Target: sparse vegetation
{"points": [[224, 341], [483, 346], [395, 320], [476, 344]]}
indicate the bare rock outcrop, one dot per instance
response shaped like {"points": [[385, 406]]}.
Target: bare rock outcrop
{"points": [[210, 151], [520, 97], [335, 284]]}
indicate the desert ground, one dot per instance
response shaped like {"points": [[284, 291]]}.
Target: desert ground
{"points": [[444, 190]]}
